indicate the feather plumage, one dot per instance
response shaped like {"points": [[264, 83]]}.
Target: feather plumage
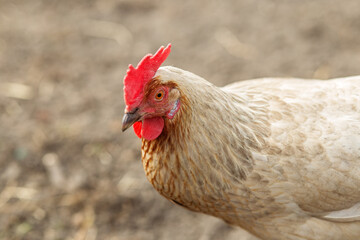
{"points": [[277, 157]]}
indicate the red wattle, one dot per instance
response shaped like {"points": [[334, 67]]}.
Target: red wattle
{"points": [[149, 128], [152, 128], [137, 128]]}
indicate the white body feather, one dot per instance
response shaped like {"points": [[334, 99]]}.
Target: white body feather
{"points": [[278, 157]]}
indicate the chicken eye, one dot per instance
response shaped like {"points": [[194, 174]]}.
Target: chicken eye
{"points": [[159, 95]]}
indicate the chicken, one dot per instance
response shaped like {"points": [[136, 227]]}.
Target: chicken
{"points": [[278, 157]]}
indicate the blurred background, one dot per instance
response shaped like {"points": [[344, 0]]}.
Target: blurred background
{"points": [[66, 170]]}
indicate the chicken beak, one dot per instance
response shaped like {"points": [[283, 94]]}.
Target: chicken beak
{"points": [[130, 118]]}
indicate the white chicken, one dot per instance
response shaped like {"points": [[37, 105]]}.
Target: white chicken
{"points": [[277, 157]]}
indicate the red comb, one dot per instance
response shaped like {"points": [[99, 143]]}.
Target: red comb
{"points": [[136, 78]]}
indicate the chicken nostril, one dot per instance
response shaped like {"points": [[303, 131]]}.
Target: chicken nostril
{"points": [[133, 111]]}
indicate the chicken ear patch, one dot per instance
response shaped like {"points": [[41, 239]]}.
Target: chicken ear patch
{"points": [[136, 78]]}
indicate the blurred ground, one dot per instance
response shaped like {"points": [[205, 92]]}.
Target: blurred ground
{"points": [[66, 170]]}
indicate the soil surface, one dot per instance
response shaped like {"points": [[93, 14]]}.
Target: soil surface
{"points": [[66, 169]]}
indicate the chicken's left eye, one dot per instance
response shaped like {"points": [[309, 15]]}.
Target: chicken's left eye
{"points": [[159, 95]]}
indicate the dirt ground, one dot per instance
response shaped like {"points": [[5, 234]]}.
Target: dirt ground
{"points": [[66, 169]]}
